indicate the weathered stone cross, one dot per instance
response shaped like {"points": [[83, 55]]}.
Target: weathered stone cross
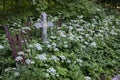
{"points": [[44, 25]]}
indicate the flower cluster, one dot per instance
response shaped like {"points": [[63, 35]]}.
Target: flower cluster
{"points": [[51, 71]]}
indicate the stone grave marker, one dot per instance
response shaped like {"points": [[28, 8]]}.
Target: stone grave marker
{"points": [[44, 25], [116, 77]]}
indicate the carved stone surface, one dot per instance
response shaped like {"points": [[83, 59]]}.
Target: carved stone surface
{"points": [[116, 77], [44, 25]]}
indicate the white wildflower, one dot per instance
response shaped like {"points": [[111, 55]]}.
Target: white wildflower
{"points": [[26, 28], [81, 16], [71, 38], [42, 57], [79, 60], [101, 31], [23, 41], [54, 58], [65, 42], [49, 46], [38, 46], [28, 61], [52, 71], [88, 78], [80, 37], [1, 47], [65, 46], [113, 32], [14, 68], [53, 44], [90, 38], [19, 58], [62, 34], [87, 35], [98, 9], [58, 38], [28, 50], [56, 49], [16, 74], [80, 29], [1, 77], [72, 35], [20, 53], [70, 27], [93, 44], [24, 31], [68, 61], [86, 42], [83, 46], [62, 57], [53, 37]]}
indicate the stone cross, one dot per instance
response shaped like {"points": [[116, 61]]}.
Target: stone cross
{"points": [[116, 77], [44, 25]]}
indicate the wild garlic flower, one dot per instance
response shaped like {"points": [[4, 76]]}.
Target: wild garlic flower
{"points": [[53, 37], [38, 46], [86, 42], [88, 78], [16, 74], [87, 35], [71, 38], [1, 47], [28, 61], [65, 46], [113, 32], [20, 53], [93, 44], [28, 50], [19, 58], [54, 44], [63, 34], [1, 77], [54, 58], [68, 61], [79, 61], [51, 71], [26, 28], [56, 49], [49, 46], [63, 58], [41, 57]]}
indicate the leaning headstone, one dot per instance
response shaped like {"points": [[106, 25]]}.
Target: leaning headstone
{"points": [[44, 25], [116, 77]]}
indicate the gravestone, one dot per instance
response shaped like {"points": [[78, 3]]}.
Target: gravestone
{"points": [[44, 25], [116, 77]]}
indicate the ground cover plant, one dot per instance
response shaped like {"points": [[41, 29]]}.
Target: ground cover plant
{"points": [[79, 50], [85, 47]]}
